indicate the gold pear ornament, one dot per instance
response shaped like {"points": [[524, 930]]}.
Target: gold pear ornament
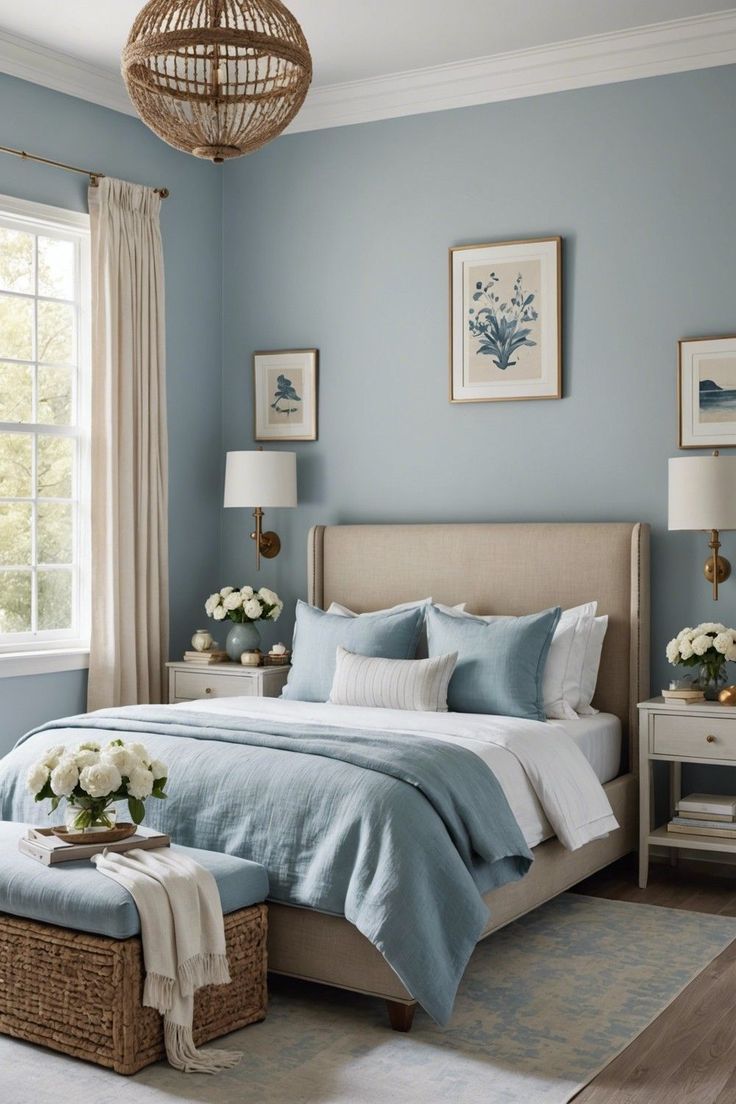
{"points": [[727, 696]]}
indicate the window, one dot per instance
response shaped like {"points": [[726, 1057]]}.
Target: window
{"points": [[44, 428]]}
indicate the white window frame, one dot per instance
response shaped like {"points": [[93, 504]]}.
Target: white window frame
{"points": [[36, 653]]}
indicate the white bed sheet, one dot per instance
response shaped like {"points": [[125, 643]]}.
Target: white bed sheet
{"points": [[527, 741], [599, 739]]}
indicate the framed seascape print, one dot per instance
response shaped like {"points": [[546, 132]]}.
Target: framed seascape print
{"points": [[706, 392], [505, 321], [285, 395]]}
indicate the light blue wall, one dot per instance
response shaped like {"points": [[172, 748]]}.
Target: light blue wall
{"points": [[339, 238], [68, 129]]}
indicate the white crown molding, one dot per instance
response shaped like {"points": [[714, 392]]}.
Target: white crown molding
{"points": [[700, 42], [19, 57]]}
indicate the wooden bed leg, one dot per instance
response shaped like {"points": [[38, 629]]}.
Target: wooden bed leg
{"points": [[400, 1015]]}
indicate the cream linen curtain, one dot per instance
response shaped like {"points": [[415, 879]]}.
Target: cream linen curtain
{"points": [[129, 448]]}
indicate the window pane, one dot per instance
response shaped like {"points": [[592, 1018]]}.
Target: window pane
{"points": [[55, 464], [16, 328], [54, 396], [15, 533], [16, 392], [54, 533], [15, 465], [16, 260], [54, 599], [55, 268], [15, 601], [55, 333]]}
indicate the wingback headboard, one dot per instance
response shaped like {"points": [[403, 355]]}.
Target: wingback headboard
{"points": [[504, 568]]}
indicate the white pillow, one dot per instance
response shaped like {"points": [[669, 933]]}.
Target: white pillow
{"points": [[417, 684], [422, 647], [571, 671]]}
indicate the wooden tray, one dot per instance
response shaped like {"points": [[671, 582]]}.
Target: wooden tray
{"points": [[105, 835]]}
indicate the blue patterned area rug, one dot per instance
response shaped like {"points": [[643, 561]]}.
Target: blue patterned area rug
{"points": [[545, 1005]]}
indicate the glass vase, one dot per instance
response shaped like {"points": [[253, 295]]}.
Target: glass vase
{"points": [[712, 678], [89, 814]]}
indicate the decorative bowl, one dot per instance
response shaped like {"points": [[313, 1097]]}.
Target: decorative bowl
{"points": [[105, 835]]}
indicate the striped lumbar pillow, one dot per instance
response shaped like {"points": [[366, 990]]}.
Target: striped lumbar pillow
{"points": [[392, 683]]}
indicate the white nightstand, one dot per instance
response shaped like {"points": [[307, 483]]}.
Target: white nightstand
{"points": [[189, 681], [702, 733]]}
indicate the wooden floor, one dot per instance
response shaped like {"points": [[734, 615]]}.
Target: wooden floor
{"points": [[688, 1055]]}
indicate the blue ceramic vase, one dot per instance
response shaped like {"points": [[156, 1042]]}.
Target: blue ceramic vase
{"points": [[242, 638]]}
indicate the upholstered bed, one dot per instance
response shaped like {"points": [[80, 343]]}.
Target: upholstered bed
{"points": [[385, 815], [494, 568]]}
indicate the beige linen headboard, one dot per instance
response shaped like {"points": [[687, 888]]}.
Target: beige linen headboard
{"points": [[504, 568]]}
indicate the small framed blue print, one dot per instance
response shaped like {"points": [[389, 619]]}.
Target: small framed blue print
{"points": [[505, 321], [285, 395], [706, 392]]}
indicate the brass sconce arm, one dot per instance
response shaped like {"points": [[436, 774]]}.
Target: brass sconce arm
{"points": [[268, 543], [717, 569]]}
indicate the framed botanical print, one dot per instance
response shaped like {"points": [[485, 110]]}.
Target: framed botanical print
{"points": [[505, 321], [706, 392], [285, 395]]}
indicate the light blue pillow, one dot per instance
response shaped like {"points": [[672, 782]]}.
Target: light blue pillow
{"points": [[317, 635], [500, 663]]}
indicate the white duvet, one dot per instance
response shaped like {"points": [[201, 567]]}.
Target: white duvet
{"points": [[549, 784]]}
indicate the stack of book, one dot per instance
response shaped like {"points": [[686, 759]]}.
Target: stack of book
{"points": [[705, 815], [205, 658], [41, 844]]}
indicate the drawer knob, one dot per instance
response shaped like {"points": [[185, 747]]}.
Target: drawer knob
{"points": [[208, 690], [708, 739]]}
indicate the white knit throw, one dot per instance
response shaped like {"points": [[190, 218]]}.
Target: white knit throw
{"points": [[183, 937]]}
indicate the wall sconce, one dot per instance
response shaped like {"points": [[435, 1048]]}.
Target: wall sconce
{"points": [[261, 479], [702, 495]]}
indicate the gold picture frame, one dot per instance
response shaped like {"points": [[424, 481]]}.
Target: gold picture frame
{"points": [[706, 415], [285, 394], [482, 367]]}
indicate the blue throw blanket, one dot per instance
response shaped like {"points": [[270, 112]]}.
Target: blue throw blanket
{"points": [[398, 833]]}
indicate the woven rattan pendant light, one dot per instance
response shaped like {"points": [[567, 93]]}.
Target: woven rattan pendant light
{"points": [[216, 78]]}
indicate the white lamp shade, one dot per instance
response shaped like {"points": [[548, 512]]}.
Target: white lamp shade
{"points": [[702, 492], [264, 479]]}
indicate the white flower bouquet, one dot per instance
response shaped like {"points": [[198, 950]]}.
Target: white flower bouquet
{"points": [[708, 646], [244, 604], [92, 778]]}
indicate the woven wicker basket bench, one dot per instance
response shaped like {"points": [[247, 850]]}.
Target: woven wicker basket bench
{"points": [[79, 992]]}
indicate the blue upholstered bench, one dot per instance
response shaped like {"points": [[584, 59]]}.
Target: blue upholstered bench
{"points": [[72, 966]]}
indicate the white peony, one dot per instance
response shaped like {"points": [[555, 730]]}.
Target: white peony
{"points": [[673, 651], [701, 644], [86, 755], [141, 752], [100, 779], [722, 642], [64, 777], [211, 604], [275, 612], [247, 592], [220, 613], [159, 770], [252, 609], [233, 601], [226, 590], [37, 777], [269, 596], [123, 758], [682, 634], [140, 783], [686, 649], [731, 653], [53, 755]]}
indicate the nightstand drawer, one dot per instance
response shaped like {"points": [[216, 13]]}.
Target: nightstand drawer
{"points": [[189, 685], [695, 737]]}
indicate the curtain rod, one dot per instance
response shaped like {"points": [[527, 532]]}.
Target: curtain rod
{"points": [[94, 177]]}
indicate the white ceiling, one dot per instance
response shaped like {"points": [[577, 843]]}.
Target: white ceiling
{"points": [[359, 39]]}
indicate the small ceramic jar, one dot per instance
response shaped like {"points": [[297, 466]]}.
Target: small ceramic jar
{"points": [[202, 640]]}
